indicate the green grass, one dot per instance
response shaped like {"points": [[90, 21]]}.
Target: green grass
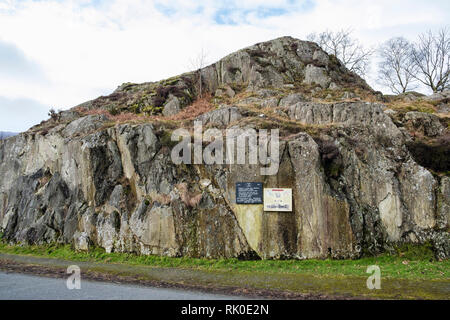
{"points": [[407, 106], [410, 262]]}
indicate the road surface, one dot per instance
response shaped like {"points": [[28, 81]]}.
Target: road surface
{"points": [[14, 286]]}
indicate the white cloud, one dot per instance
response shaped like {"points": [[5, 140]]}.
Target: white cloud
{"points": [[15, 65], [20, 114], [87, 48]]}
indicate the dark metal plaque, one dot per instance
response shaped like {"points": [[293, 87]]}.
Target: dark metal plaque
{"points": [[249, 193]]}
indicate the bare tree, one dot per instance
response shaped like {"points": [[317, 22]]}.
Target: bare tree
{"points": [[397, 65], [431, 55], [198, 63], [344, 47]]}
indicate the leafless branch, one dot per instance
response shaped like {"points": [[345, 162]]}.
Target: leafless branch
{"points": [[347, 49], [198, 63], [397, 66], [431, 55]]}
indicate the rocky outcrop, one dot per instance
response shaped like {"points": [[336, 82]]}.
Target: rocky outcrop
{"points": [[356, 188], [275, 64], [424, 123], [279, 62], [172, 107], [117, 188], [439, 96]]}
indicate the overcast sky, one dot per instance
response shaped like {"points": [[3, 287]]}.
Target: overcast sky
{"points": [[60, 53]]}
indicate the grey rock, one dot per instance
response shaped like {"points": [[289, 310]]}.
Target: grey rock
{"points": [[334, 86], [345, 113], [291, 100], [108, 227], [251, 101], [105, 161], [348, 95], [225, 91], [356, 187], [275, 63], [443, 107], [317, 75], [444, 204], [270, 103], [84, 125], [116, 197], [441, 244], [411, 96], [81, 241], [390, 112], [172, 107], [438, 96], [220, 117], [266, 93], [68, 115], [427, 124], [321, 57]]}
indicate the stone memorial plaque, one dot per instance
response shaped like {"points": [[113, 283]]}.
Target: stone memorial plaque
{"points": [[278, 199], [249, 193]]}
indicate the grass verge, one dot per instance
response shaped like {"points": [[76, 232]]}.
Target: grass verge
{"points": [[409, 262]]}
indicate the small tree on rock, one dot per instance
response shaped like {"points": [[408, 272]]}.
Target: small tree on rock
{"points": [[397, 65], [431, 56], [198, 63], [343, 46]]}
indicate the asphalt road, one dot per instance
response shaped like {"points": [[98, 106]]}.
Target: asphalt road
{"points": [[15, 286]]}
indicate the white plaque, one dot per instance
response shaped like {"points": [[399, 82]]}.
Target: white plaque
{"points": [[278, 199]]}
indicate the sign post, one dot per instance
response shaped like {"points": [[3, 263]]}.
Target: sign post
{"points": [[278, 200]]}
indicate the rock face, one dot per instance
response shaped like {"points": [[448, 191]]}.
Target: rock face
{"points": [[279, 62], [117, 189], [356, 188]]}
